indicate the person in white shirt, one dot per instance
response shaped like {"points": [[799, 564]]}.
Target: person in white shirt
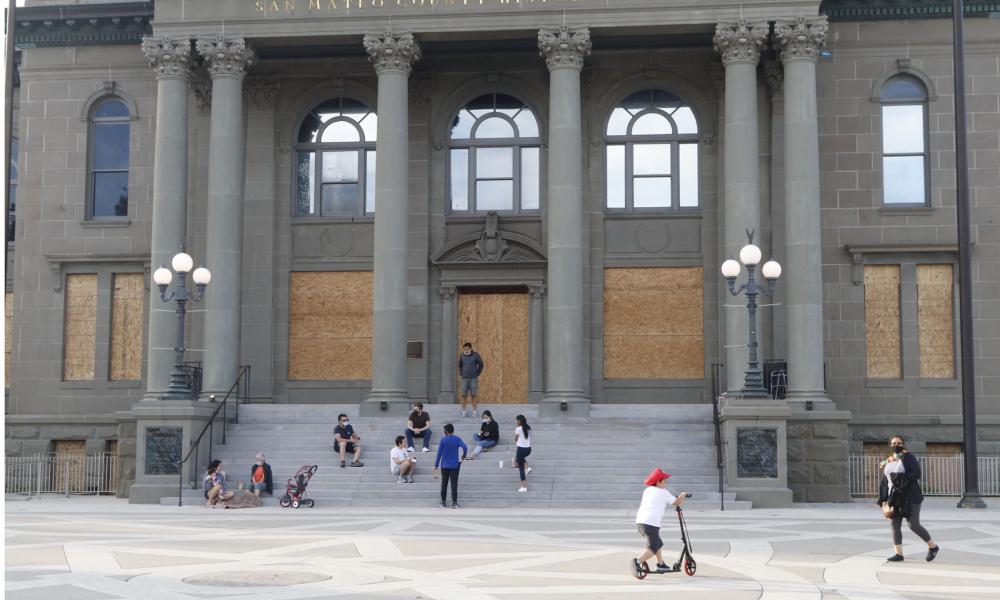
{"points": [[401, 464], [522, 437], [655, 499]]}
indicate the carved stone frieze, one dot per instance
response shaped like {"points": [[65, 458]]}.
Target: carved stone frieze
{"points": [[537, 292], [226, 56], [564, 46], [392, 51], [201, 90], [447, 293], [740, 41], [800, 38], [168, 57], [492, 245], [774, 77]]}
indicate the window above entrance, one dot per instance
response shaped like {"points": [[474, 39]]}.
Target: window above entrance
{"points": [[652, 154], [494, 157], [335, 161]]}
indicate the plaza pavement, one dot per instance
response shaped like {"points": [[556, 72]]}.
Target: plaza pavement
{"points": [[102, 548]]}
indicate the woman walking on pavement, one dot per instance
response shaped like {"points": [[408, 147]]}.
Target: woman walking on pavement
{"points": [[900, 497], [522, 437]]}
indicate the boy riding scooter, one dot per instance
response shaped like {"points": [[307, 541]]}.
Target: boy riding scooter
{"points": [[655, 499]]}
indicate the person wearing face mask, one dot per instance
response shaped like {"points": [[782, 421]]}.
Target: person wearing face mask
{"points": [[488, 436], [260, 477], [900, 490], [345, 440], [470, 366]]}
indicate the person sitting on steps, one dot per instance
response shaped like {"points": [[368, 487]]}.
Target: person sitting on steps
{"points": [[214, 484], [261, 479], [345, 440], [488, 436], [401, 464], [418, 425]]}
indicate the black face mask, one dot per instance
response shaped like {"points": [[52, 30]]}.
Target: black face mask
{"points": [[897, 448]]}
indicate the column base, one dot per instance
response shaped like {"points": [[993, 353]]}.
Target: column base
{"points": [[971, 501], [764, 497], [383, 403], [446, 397], [564, 404], [809, 400], [150, 493]]}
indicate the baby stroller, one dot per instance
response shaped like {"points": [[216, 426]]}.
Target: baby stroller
{"points": [[295, 490]]}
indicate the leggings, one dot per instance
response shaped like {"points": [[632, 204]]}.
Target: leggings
{"points": [[915, 526], [446, 476], [522, 453]]}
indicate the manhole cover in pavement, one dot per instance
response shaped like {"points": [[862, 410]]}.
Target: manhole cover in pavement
{"points": [[256, 578]]}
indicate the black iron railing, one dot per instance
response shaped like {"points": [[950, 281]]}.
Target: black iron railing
{"points": [[237, 394], [717, 382]]}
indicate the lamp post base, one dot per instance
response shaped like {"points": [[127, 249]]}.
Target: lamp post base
{"points": [[971, 501]]}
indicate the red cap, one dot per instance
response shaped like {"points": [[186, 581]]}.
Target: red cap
{"points": [[655, 476]]}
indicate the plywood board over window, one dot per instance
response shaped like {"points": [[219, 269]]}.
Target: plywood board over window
{"points": [[8, 322], [654, 323], [935, 316], [882, 334], [330, 325], [80, 327], [127, 301], [69, 469]]}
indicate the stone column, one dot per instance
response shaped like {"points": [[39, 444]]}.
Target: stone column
{"points": [[393, 56], [798, 41], [739, 44], [227, 60], [536, 349], [565, 345], [449, 352], [171, 61]]}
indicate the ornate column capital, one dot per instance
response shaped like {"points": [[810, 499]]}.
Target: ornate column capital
{"points": [[447, 293], [564, 47], [169, 58], [226, 56], [392, 52], [537, 292], [774, 77], [261, 92], [740, 41], [800, 38]]}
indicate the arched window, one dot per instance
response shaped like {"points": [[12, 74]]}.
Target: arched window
{"points": [[652, 154], [335, 161], [494, 157], [905, 173], [109, 147]]}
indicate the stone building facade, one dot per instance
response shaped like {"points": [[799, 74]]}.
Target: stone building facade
{"points": [[557, 181]]}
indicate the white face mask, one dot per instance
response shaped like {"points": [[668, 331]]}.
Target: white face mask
{"points": [[345, 423], [467, 352], [260, 462]]}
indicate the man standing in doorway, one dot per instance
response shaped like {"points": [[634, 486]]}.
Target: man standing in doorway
{"points": [[470, 365]]}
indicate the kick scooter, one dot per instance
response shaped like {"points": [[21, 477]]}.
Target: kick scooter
{"points": [[685, 559]]}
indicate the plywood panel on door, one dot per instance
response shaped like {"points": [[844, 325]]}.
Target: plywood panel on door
{"points": [[497, 326]]}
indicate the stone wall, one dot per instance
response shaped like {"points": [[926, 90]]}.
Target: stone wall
{"points": [[818, 448]]}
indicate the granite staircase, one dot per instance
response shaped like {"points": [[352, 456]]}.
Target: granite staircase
{"points": [[595, 462]]}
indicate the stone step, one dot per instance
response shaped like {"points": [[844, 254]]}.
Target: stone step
{"points": [[524, 501]]}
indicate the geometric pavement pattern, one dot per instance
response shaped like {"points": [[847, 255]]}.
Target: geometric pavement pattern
{"points": [[103, 548]]}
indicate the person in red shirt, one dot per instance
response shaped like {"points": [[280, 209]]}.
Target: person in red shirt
{"points": [[261, 480]]}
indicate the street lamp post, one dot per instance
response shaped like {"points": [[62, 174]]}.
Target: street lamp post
{"points": [[180, 388], [750, 255]]}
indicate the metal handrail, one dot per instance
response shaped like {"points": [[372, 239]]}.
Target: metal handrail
{"points": [[719, 462], [242, 388]]}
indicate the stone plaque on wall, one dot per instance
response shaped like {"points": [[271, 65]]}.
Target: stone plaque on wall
{"points": [[163, 450], [757, 452]]}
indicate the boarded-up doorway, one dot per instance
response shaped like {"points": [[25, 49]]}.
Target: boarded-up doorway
{"points": [[497, 326]]}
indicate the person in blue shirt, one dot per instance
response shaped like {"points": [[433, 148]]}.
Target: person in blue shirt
{"points": [[449, 462]]}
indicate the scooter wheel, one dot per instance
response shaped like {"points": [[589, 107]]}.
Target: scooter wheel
{"points": [[641, 571], [295, 503], [690, 567], [310, 503], [285, 501]]}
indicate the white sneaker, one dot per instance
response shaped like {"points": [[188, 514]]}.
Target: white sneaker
{"points": [[410, 449], [400, 480], [523, 489], [426, 450], [527, 471]]}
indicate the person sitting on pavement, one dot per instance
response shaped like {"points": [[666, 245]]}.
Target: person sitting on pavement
{"points": [[261, 480], [418, 424], [345, 440], [401, 464], [214, 484], [488, 436]]}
